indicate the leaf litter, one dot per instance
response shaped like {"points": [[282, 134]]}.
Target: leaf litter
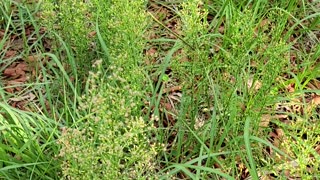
{"points": [[21, 61]]}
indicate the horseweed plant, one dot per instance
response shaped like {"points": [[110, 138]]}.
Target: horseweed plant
{"points": [[110, 139]]}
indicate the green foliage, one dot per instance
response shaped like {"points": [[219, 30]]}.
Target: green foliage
{"points": [[225, 87], [27, 145], [232, 64], [72, 19], [111, 140], [122, 35]]}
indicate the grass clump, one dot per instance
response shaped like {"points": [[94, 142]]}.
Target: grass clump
{"points": [[28, 134], [27, 145]]}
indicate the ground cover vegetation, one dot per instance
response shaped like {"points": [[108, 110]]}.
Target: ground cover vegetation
{"points": [[191, 89]]}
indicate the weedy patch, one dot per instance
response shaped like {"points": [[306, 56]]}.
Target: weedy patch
{"points": [[110, 140], [192, 89], [231, 74]]}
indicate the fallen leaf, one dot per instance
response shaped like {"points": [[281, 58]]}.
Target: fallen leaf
{"points": [[21, 79], [167, 106], [265, 120], [92, 34], [16, 84], [9, 89], [22, 66], [32, 58], [318, 149], [290, 88], [151, 52], [279, 132], [9, 72], [172, 89], [10, 54], [29, 97], [221, 29], [18, 70], [316, 100], [264, 22], [256, 85], [2, 33], [19, 105]]}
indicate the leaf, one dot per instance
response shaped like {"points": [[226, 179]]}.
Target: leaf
{"points": [[247, 137], [33, 58], [316, 100], [92, 34], [29, 97], [10, 54], [19, 70], [256, 85]]}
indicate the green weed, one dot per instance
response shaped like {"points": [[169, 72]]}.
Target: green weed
{"points": [[230, 90]]}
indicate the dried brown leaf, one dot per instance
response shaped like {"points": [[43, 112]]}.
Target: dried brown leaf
{"points": [[32, 58], [9, 89], [92, 34], [221, 29], [290, 88], [9, 72], [316, 100], [256, 85], [22, 79], [151, 52], [29, 97], [10, 53], [172, 89], [264, 22], [18, 70], [265, 120]]}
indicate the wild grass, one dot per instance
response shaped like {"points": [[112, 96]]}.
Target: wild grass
{"points": [[28, 139], [233, 60], [27, 145]]}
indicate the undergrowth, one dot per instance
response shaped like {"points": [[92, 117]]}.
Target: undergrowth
{"points": [[188, 90], [111, 139]]}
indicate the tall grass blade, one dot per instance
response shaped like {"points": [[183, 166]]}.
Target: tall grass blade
{"points": [[246, 136]]}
